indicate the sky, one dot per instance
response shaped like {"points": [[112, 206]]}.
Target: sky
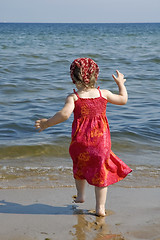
{"points": [[80, 11]]}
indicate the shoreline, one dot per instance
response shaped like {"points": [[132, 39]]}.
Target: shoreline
{"points": [[39, 214]]}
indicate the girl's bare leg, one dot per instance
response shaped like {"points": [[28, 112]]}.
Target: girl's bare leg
{"points": [[101, 194], [80, 185]]}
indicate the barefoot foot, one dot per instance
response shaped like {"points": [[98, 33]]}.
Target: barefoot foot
{"points": [[78, 199], [100, 212]]}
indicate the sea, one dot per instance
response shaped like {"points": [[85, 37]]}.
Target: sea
{"points": [[34, 82]]}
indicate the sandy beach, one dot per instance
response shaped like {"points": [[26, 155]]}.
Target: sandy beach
{"points": [[50, 214]]}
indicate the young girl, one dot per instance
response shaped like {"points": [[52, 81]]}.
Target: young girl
{"points": [[90, 148]]}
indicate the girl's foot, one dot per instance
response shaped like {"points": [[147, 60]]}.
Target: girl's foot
{"points": [[78, 199], [100, 212], [101, 193], [80, 185]]}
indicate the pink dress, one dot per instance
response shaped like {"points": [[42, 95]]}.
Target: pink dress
{"points": [[90, 148]]}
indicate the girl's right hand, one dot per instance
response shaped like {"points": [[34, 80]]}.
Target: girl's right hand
{"points": [[41, 124], [119, 79]]}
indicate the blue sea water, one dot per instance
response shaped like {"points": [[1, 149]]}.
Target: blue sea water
{"points": [[35, 80]]}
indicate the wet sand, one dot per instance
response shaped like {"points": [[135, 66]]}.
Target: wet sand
{"points": [[50, 214]]}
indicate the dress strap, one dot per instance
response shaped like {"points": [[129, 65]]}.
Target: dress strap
{"points": [[99, 92], [76, 93]]}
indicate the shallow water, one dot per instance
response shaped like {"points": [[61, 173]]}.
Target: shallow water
{"points": [[34, 72]]}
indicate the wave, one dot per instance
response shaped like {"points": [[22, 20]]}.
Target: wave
{"points": [[127, 143], [47, 150], [155, 60], [143, 176]]}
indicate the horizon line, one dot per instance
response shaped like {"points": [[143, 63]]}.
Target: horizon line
{"points": [[82, 22]]}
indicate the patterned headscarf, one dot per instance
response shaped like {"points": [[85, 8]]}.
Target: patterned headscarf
{"points": [[87, 68]]}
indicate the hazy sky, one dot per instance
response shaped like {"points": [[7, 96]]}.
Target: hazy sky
{"points": [[80, 11]]}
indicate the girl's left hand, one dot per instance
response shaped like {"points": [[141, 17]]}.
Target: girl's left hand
{"points": [[41, 124], [119, 79]]}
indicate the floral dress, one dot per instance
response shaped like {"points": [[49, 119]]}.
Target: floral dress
{"points": [[90, 148]]}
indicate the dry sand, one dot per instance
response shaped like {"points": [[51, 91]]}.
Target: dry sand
{"points": [[50, 214]]}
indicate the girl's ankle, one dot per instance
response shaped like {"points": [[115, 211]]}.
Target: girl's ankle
{"points": [[79, 198], [100, 211]]}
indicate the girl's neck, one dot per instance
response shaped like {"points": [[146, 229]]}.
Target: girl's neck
{"points": [[84, 89]]}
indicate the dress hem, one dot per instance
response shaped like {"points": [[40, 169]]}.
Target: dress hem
{"points": [[102, 185]]}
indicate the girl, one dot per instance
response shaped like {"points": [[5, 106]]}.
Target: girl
{"points": [[90, 148]]}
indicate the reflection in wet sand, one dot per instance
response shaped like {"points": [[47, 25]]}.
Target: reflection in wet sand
{"points": [[90, 227]]}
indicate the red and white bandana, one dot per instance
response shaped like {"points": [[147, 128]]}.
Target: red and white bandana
{"points": [[87, 67]]}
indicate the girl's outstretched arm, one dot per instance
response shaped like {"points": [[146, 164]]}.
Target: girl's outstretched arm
{"points": [[122, 98], [59, 117]]}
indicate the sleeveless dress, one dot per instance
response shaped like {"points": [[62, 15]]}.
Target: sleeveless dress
{"points": [[90, 148]]}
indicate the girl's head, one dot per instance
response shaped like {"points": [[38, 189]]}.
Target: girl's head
{"points": [[84, 71]]}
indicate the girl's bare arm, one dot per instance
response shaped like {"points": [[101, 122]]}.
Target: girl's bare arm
{"points": [[59, 117], [122, 97]]}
